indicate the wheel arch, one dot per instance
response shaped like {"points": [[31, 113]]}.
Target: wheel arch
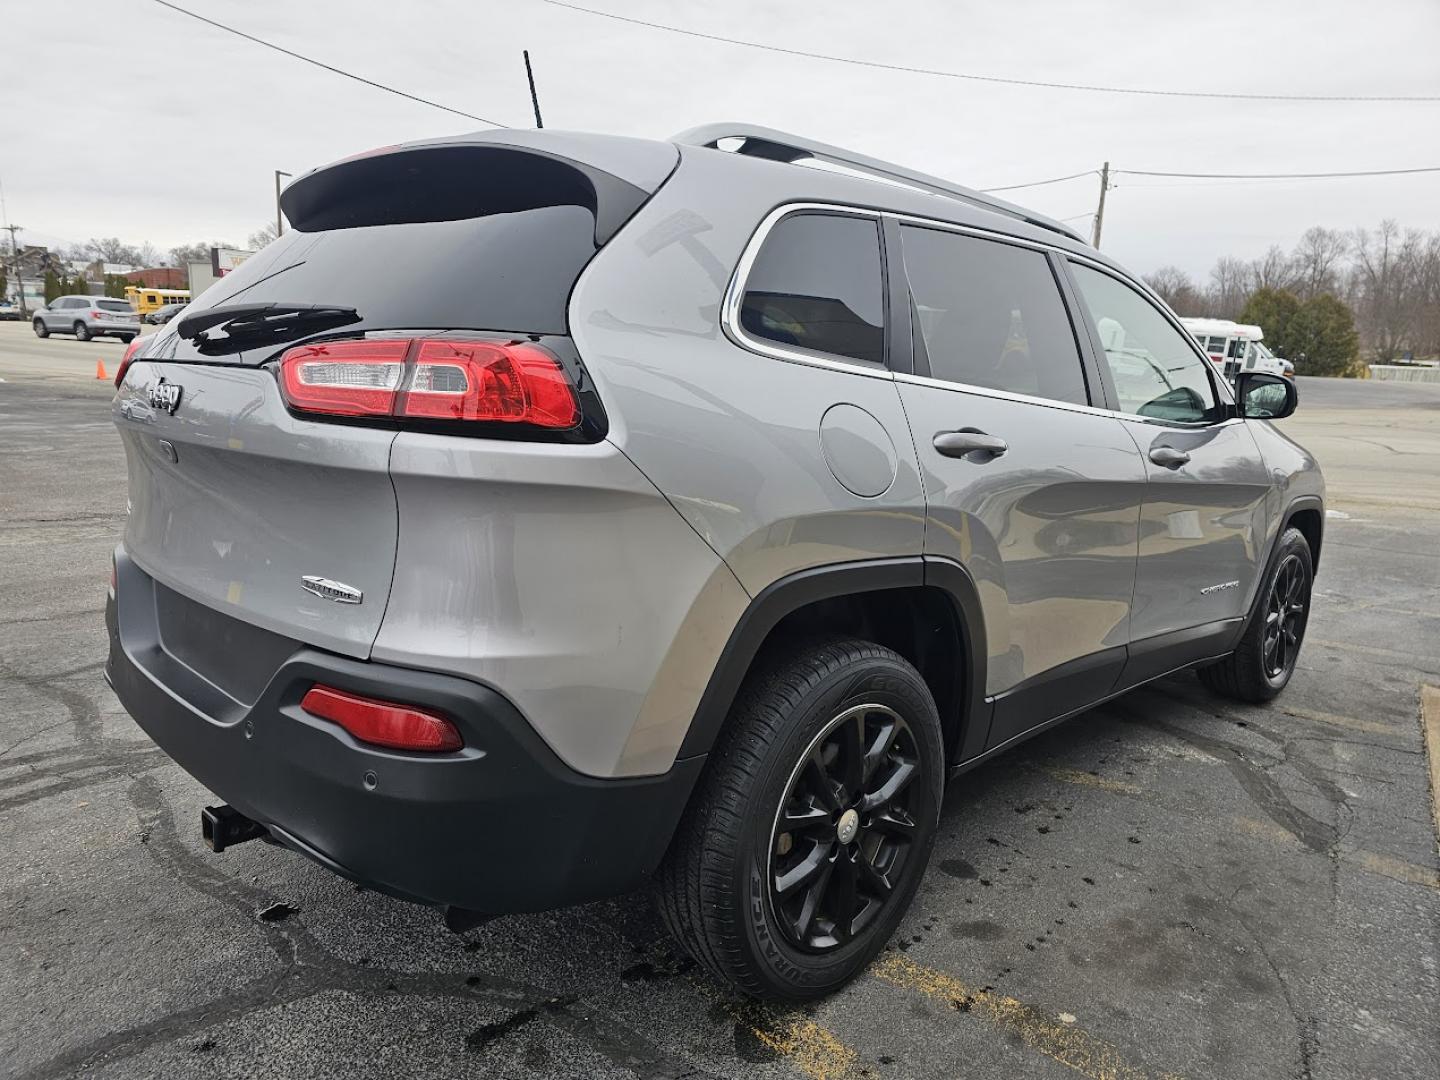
{"points": [[927, 610], [1306, 513]]}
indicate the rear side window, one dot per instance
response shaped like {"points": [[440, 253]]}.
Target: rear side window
{"points": [[1156, 372], [817, 285], [990, 314]]}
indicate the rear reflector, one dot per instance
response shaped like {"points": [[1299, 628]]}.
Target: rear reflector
{"points": [[383, 723], [431, 379]]}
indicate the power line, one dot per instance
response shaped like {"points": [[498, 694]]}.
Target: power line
{"points": [[1281, 176], [327, 67], [991, 78], [1038, 183]]}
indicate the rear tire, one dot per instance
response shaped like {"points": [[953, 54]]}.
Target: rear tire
{"points": [[1262, 664], [82, 332], [125, 339], [842, 737], [41, 330]]}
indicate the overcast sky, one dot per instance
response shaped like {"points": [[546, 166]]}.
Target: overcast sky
{"points": [[131, 120]]}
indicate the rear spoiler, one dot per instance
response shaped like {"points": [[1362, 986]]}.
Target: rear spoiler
{"points": [[776, 145], [481, 174]]}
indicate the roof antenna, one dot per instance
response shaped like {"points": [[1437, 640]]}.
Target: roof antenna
{"points": [[534, 98]]}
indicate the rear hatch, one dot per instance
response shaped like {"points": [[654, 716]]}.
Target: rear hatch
{"points": [[252, 498], [118, 311]]}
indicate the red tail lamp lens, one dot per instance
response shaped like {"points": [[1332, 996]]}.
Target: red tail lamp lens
{"points": [[130, 351], [383, 723], [468, 380], [344, 378], [478, 381]]}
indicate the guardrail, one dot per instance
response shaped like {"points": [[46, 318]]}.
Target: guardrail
{"points": [[1405, 373]]}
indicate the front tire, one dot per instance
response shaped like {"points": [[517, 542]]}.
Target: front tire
{"points": [[813, 823], [1262, 664], [82, 332], [41, 330]]}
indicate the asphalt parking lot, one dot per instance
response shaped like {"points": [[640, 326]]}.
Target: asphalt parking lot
{"points": [[1166, 886]]}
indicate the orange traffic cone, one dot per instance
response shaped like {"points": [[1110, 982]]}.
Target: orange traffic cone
{"points": [[100, 370]]}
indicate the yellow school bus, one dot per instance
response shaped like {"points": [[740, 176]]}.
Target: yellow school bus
{"points": [[147, 300]]}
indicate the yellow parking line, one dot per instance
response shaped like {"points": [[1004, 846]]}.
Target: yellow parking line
{"points": [[1369, 650], [1372, 727], [1371, 861], [1430, 725], [816, 1051], [1393, 868], [1076, 776], [1050, 1035]]}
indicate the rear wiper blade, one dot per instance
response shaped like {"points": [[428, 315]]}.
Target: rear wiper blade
{"points": [[262, 319]]}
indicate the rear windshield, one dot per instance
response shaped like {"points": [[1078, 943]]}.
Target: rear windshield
{"points": [[113, 305], [509, 272]]}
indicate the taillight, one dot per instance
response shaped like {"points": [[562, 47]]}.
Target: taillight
{"points": [[431, 379], [130, 351], [383, 723], [344, 378]]}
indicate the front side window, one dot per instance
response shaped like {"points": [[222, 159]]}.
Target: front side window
{"points": [[817, 285], [990, 314], [1156, 371]]}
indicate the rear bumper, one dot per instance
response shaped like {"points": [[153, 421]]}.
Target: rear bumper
{"points": [[500, 826], [99, 328]]}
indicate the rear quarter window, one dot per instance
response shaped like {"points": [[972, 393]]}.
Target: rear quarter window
{"points": [[817, 285]]}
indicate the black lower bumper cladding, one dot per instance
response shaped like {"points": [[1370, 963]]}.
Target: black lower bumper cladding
{"points": [[502, 825]]}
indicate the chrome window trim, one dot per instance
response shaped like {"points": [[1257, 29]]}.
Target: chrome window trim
{"points": [[972, 230], [1003, 395], [735, 294]]}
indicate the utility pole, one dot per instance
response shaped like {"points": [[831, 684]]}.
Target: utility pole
{"points": [[15, 260], [534, 98], [1100, 210], [279, 219]]}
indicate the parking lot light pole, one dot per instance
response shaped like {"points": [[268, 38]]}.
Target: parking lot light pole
{"points": [[279, 219]]}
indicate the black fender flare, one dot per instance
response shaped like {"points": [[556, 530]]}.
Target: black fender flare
{"points": [[1297, 504], [802, 588]]}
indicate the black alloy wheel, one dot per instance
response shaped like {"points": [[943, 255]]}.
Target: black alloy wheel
{"points": [[1285, 613], [844, 828]]}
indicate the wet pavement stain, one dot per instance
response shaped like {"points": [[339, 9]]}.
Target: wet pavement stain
{"points": [[979, 930], [278, 912]]}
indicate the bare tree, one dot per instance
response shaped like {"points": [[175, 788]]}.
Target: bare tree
{"points": [[1317, 262], [112, 249], [1385, 266], [1177, 289], [1229, 287], [1274, 270], [262, 236], [147, 255]]}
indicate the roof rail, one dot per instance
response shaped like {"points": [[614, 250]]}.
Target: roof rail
{"points": [[781, 146]]}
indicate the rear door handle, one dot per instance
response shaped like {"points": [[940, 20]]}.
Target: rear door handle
{"points": [[1169, 457], [968, 441]]}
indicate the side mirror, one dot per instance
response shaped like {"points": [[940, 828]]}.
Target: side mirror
{"points": [[1263, 396]]}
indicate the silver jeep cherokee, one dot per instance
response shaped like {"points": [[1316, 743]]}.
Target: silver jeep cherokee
{"points": [[549, 515]]}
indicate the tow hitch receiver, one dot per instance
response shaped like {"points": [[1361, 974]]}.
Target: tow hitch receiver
{"points": [[224, 826]]}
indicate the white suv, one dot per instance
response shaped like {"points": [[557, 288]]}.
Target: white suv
{"points": [[87, 317]]}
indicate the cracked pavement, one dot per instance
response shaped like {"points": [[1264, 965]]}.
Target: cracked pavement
{"points": [[1170, 885]]}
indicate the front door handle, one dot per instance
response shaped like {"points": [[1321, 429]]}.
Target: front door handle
{"points": [[969, 441], [1169, 457]]}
